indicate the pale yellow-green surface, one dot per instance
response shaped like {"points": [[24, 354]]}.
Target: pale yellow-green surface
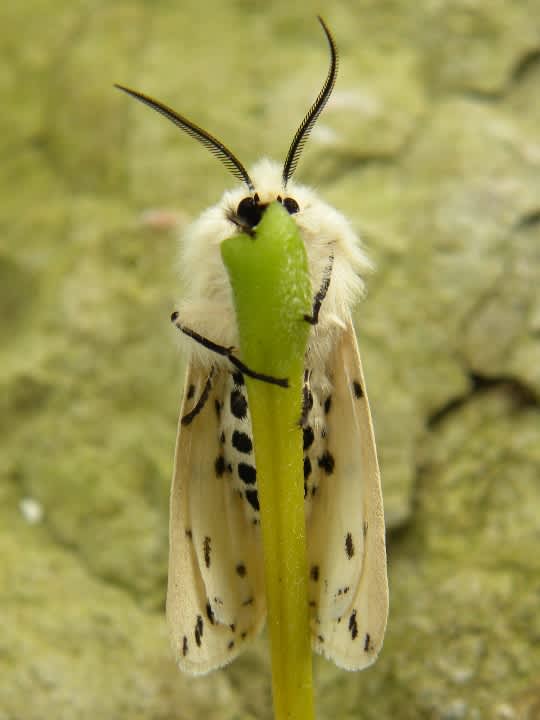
{"points": [[432, 147]]}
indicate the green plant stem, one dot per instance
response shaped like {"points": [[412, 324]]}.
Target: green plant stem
{"points": [[272, 292]]}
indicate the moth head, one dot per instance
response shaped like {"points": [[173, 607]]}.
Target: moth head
{"points": [[250, 209]]}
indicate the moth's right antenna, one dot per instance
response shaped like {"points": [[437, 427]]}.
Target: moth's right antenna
{"points": [[315, 110]]}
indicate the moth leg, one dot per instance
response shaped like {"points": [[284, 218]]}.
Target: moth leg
{"points": [[313, 319], [201, 402], [228, 353]]}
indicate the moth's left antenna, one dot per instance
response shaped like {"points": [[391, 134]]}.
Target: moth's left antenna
{"points": [[217, 148]]}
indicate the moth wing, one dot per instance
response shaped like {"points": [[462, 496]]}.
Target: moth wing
{"points": [[215, 594], [346, 533]]}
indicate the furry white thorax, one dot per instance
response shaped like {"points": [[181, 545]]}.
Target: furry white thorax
{"points": [[207, 304]]}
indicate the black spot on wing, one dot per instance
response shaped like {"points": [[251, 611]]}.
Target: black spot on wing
{"points": [[206, 550], [353, 627], [247, 473], [309, 437], [314, 573], [357, 389], [219, 465], [242, 442], [349, 545], [367, 643], [198, 630], [230, 645], [218, 405], [210, 613], [307, 468], [238, 405], [253, 499], [189, 534], [241, 570], [184, 646], [327, 462], [190, 392], [327, 404], [238, 378]]}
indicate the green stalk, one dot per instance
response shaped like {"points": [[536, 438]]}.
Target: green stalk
{"points": [[272, 292]]}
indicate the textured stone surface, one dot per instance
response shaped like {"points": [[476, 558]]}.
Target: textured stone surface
{"points": [[432, 147]]}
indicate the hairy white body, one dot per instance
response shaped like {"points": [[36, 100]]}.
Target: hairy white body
{"points": [[215, 600]]}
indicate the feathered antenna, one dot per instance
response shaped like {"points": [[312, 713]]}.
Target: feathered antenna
{"points": [[315, 110], [217, 148]]}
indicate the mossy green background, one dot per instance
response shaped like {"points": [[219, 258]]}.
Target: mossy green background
{"points": [[431, 146]]}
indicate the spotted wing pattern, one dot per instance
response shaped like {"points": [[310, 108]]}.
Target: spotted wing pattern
{"points": [[348, 590], [215, 596]]}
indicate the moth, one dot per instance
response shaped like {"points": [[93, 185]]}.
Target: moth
{"points": [[215, 596]]}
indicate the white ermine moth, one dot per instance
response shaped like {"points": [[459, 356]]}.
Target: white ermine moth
{"points": [[215, 597]]}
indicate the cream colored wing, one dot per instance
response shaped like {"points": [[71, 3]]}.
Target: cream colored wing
{"points": [[215, 596], [346, 533]]}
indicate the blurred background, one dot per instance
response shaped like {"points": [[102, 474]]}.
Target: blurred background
{"points": [[431, 146]]}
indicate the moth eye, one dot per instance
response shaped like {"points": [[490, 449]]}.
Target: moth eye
{"points": [[245, 207], [291, 205], [250, 211]]}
